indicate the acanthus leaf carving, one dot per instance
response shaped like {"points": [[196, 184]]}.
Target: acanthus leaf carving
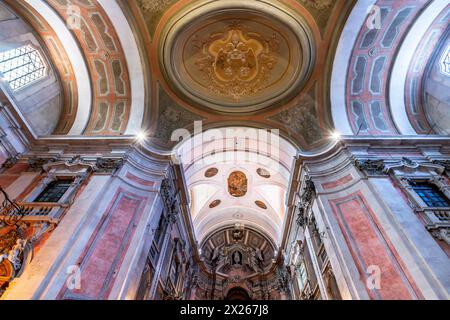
{"points": [[108, 165], [37, 164], [371, 167]]}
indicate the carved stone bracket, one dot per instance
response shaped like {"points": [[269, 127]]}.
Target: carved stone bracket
{"points": [[441, 234], [37, 164], [371, 167], [445, 164], [108, 165]]}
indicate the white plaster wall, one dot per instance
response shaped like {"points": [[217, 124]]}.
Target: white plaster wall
{"points": [[46, 274], [76, 59], [39, 102], [437, 94]]}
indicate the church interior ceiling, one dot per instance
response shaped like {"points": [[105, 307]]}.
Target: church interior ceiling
{"points": [[124, 77], [242, 183], [249, 68], [267, 64], [245, 68]]}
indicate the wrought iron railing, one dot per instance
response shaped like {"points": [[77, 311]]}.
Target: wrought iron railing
{"points": [[10, 211]]}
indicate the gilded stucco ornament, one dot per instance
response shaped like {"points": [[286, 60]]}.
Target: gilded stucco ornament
{"points": [[236, 57], [238, 64], [318, 4]]}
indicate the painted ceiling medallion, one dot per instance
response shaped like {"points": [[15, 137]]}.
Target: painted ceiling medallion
{"points": [[236, 57], [263, 173], [261, 204], [237, 184], [238, 64], [211, 172], [214, 204]]}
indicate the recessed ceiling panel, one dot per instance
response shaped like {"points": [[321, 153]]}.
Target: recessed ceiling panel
{"points": [[236, 56]]}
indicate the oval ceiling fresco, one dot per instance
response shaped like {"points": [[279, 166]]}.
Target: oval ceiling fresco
{"points": [[237, 184], [211, 172], [214, 204]]}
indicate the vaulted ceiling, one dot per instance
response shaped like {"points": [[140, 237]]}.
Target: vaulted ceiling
{"points": [[306, 67], [237, 175], [286, 51]]}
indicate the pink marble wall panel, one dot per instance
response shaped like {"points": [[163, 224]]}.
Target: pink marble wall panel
{"points": [[140, 181], [340, 182], [107, 247], [369, 246]]}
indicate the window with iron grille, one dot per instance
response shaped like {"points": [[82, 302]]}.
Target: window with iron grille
{"points": [[21, 66], [54, 191], [430, 194]]}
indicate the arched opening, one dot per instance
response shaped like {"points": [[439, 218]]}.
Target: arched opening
{"points": [[225, 164], [238, 294]]}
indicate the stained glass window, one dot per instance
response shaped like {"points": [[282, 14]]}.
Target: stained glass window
{"points": [[445, 62], [21, 66]]}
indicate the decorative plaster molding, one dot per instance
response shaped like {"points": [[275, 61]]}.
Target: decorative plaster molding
{"points": [[407, 165]]}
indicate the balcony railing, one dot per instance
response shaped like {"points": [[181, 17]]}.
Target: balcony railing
{"points": [[36, 211], [436, 217]]}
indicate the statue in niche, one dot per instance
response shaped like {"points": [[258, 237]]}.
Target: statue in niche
{"points": [[237, 184], [237, 258]]}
